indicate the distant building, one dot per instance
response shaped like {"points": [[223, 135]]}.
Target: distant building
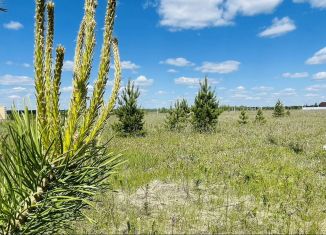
{"points": [[3, 113], [322, 104]]}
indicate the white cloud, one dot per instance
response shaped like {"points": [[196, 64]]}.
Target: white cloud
{"points": [[313, 3], [262, 88], [19, 89], [318, 87], [318, 58], [320, 76], [143, 81], [240, 88], [198, 14], [66, 89], [150, 3], [13, 25], [295, 75], [223, 68], [279, 28], [160, 92], [9, 79], [172, 71], [128, 65], [311, 95], [68, 65], [187, 81], [178, 62], [286, 92], [14, 97], [25, 65]]}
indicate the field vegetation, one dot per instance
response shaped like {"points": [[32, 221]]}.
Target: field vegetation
{"points": [[253, 178]]}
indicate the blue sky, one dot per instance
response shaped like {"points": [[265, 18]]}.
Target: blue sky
{"points": [[253, 51]]}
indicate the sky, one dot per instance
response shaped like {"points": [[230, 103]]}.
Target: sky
{"points": [[252, 51]]}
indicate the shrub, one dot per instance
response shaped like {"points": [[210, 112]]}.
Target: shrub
{"points": [[279, 110], [49, 169], [243, 118], [129, 114], [205, 109], [260, 117], [177, 117]]}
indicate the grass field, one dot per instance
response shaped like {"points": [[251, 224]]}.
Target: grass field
{"points": [[242, 179]]}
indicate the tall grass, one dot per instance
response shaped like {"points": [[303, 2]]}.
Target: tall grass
{"points": [[241, 179]]}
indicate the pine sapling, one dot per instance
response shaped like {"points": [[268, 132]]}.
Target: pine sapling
{"points": [[279, 110], [260, 117], [177, 117], [205, 109], [130, 115], [243, 118]]}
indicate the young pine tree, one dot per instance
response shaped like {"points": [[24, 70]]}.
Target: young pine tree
{"points": [[279, 110], [205, 109], [177, 117], [243, 118], [129, 113], [260, 117]]}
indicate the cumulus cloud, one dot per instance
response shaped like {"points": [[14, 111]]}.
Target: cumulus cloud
{"points": [[222, 68], [143, 81], [68, 66], [320, 76], [13, 25], [295, 75], [187, 81], [318, 58], [128, 65], [178, 62], [193, 82], [198, 14], [278, 28], [313, 3], [9, 79]]}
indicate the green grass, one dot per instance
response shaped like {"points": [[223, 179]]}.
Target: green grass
{"points": [[242, 179]]}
